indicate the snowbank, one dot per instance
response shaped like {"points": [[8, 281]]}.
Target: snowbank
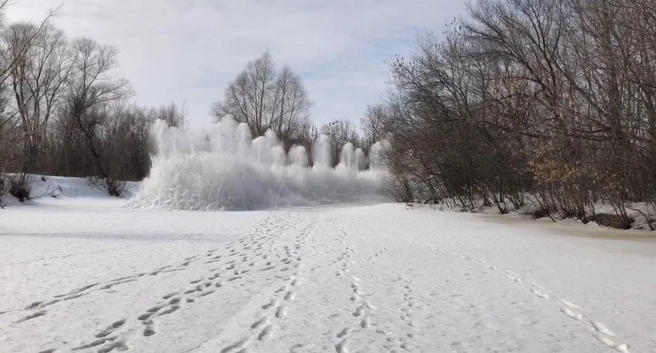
{"points": [[56, 190], [223, 168]]}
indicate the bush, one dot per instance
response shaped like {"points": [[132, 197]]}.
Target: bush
{"points": [[401, 190], [541, 213], [611, 221], [109, 185], [19, 186], [115, 187]]}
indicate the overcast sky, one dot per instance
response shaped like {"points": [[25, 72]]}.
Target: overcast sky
{"points": [[188, 50]]}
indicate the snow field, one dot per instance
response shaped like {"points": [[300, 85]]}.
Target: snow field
{"points": [[339, 279]]}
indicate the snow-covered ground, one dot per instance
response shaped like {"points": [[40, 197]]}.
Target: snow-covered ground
{"points": [[86, 274]]}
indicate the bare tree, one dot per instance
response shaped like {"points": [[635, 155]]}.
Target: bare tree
{"points": [[340, 132], [266, 99], [248, 98], [550, 98], [7, 58], [291, 106], [174, 115], [92, 87], [64, 112], [373, 124], [10, 56], [38, 79]]}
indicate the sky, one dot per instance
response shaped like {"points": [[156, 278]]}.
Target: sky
{"points": [[187, 51]]}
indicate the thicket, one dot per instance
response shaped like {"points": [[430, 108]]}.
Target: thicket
{"points": [[63, 111], [547, 102]]}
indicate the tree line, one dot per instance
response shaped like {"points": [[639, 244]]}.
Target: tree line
{"points": [[544, 102], [63, 110], [551, 102]]}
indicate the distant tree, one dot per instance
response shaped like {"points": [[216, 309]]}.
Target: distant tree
{"points": [[291, 108], [8, 58], [92, 88], [10, 134], [373, 124], [340, 132], [38, 78], [64, 112], [174, 115], [266, 99]]}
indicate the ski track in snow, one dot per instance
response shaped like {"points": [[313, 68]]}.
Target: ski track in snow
{"points": [[284, 268]]}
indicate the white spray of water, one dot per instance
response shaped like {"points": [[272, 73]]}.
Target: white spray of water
{"points": [[223, 168]]}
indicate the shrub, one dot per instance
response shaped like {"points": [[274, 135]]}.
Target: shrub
{"points": [[401, 190], [611, 221], [19, 186], [541, 212], [115, 187], [111, 186]]}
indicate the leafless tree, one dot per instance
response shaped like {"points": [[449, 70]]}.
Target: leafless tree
{"points": [[9, 58], [174, 115], [373, 124], [37, 81], [92, 88], [550, 98], [266, 99], [340, 132], [64, 112], [290, 106]]}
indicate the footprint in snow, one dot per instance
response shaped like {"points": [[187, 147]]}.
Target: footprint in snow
{"points": [[570, 304], [540, 294], [620, 347], [260, 322], [170, 310], [572, 314], [343, 333], [266, 333], [110, 329], [511, 277], [289, 296], [32, 316], [359, 311], [599, 327], [149, 331], [170, 295], [281, 312], [341, 347]]}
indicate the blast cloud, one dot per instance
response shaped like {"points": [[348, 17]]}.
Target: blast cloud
{"points": [[224, 168]]}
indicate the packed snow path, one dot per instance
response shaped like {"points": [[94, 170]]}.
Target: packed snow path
{"points": [[359, 279]]}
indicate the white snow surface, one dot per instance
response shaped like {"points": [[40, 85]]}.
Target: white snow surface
{"points": [[86, 273]]}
